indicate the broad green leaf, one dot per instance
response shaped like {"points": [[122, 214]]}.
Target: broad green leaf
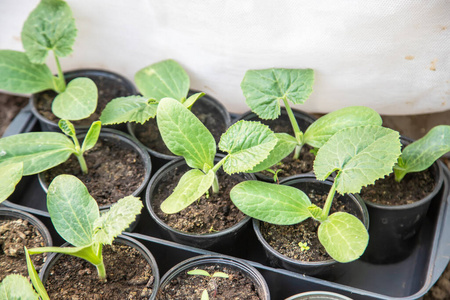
{"points": [[276, 204], [116, 219], [19, 75], [421, 154], [78, 101], [129, 109], [50, 26], [192, 99], [263, 89], [17, 287], [285, 145], [322, 129], [67, 128], [72, 210], [199, 272], [193, 184], [38, 151], [37, 283], [344, 237], [185, 135], [163, 79], [361, 154], [248, 144], [10, 176], [91, 136]]}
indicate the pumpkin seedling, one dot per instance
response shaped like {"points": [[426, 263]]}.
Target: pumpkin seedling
{"points": [[200, 272], [303, 246], [359, 155], [49, 27]]}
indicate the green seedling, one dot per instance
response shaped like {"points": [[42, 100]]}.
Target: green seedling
{"points": [[303, 246], [246, 144], [200, 272], [274, 173], [360, 155], [76, 217], [157, 81], [49, 27]]}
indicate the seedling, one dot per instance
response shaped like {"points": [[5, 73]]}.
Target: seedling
{"points": [[275, 172], [360, 155], [49, 27], [200, 272], [76, 217], [247, 144], [303, 246]]}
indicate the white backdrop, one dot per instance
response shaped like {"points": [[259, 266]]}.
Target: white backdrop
{"points": [[393, 56]]}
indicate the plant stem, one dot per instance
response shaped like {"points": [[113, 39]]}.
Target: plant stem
{"points": [[215, 186], [82, 162], [101, 266], [329, 201], [61, 86], [297, 132]]}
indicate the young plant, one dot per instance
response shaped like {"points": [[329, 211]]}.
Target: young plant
{"points": [[360, 155], [200, 272], [247, 144], [76, 217], [49, 27]]}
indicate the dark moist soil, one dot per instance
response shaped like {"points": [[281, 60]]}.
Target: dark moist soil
{"points": [[14, 235], [9, 108], [114, 171], [148, 133], [129, 276], [206, 215], [190, 287], [413, 187], [108, 89]]}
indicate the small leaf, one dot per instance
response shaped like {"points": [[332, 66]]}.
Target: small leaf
{"points": [[276, 204], [199, 272], [78, 101], [67, 128], [192, 99], [220, 275], [263, 89], [37, 283], [163, 79], [17, 287], [10, 175], [344, 237], [205, 295], [193, 184], [129, 109], [248, 144], [315, 211], [91, 137]]}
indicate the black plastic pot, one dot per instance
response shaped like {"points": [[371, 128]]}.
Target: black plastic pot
{"points": [[122, 239], [229, 238], [97, 76], [325, 269], [319, 295], [221, 260]]}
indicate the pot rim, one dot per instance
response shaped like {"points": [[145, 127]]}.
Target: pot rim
{"points": [[314, 294]]}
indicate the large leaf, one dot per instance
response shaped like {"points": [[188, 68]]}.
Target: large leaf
{"points": [[163, 79], [193, 184], [322, 129], [129, 109], [19, 75], [344, 237], [17, 287], [78, 101], [276, 204], [263, 89], [72, 210], [248, 143], [38, 151], [361, 154], [421, 154], [10, 176], [50, 26], [185, 135]]}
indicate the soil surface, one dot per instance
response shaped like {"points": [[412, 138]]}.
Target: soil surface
{"points": [[10, 106], [129, 276], [114, 171], [191, 287], [14, 235]]}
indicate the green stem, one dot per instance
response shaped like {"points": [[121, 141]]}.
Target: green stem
{"points": [[215, 186], [101, 266], [61, 86], [82, 162], [329, 201], [297, 132]]}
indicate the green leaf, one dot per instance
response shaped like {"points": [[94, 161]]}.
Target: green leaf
{"points": [[421, 154], [285, 145], [248, 144], [17, 287], [50, 26], [10, 176], [192, 99], [91, 136], [316, 212], [199, 272], [163, 79], [361, 154], [116, 219], [205, 295], [263, 89], [322, 129], [276, 204], [185, 135], [129, 109], [193, 184], [67, 128], [344, 237], [78, 101], [19, 75], [220, 275], [38, 151], [72, 210], [37, 283]]}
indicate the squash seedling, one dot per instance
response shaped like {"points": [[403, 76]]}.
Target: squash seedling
{"points": [[200, 272], [360, 155], [49, 27]]}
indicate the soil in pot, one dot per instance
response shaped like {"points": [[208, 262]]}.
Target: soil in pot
{"points": [[9, 107], [129, 276]]}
